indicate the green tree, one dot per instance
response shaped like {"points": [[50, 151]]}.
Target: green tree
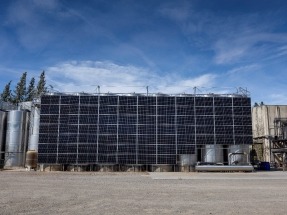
{"points": [[20, 91], [41, 87], [31, 91], [6, 95]]}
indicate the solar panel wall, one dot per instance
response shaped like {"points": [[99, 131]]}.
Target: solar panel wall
{"points": [[119, 129]]}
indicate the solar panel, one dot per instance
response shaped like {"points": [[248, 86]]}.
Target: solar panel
{"points": [[99, 129]]}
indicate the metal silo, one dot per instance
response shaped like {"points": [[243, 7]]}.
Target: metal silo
{"points": [[213, 153], [34, 129], [238, 154], [187, 159], [16, 138], [186, 162], [3, 126]]}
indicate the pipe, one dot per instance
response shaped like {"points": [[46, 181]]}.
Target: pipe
{"points": [[237, 153], [219, 168]]}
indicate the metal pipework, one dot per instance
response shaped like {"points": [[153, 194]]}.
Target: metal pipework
{"points": [[234, 154], [221, 168]]}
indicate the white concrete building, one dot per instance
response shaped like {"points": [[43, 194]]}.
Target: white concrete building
{"points": [[263, 127]]}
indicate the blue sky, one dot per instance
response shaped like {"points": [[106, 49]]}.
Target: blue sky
{"points": [[170, 46]]}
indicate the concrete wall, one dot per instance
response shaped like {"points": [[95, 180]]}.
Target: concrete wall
{"points": [[263, 126]]}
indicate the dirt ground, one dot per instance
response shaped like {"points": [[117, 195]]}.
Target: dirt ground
{"points": [[142, 193]]}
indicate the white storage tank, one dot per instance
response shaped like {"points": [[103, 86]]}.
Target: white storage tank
{"points": [[16, 138], [213, 153], [186, 162], [240, 156], [34, 129], [187, 159]]}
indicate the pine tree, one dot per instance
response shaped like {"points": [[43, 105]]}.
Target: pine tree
{"points": [[41, 88], [20, 90], [6, 95], [30, 94]]}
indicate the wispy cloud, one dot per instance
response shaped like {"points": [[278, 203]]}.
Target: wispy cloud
{"points": [[233, 38], [75, 76], [28, 20], [279, 52], [242, 69], [248, 46]]}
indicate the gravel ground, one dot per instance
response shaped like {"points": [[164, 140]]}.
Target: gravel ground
{"points": [[142, 193]]}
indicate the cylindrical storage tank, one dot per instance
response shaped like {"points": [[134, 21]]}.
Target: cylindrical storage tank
{"points": [[213, 153], [15, 138], [187, 159], [34, 129], [242, 157], [31, 159], [3, 127]]}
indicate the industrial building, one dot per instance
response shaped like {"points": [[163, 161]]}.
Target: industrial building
{"points": [[270, 132], [153, 132]]}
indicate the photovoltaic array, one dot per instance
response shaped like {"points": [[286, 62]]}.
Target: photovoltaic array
{"points": [[138, 129]]}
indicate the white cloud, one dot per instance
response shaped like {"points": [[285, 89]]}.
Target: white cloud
{"points": [[247, 37], [279, 52], [35, 23], [23, 16], [247, 46], [85, 76], [241, 69], [224, 53]]}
